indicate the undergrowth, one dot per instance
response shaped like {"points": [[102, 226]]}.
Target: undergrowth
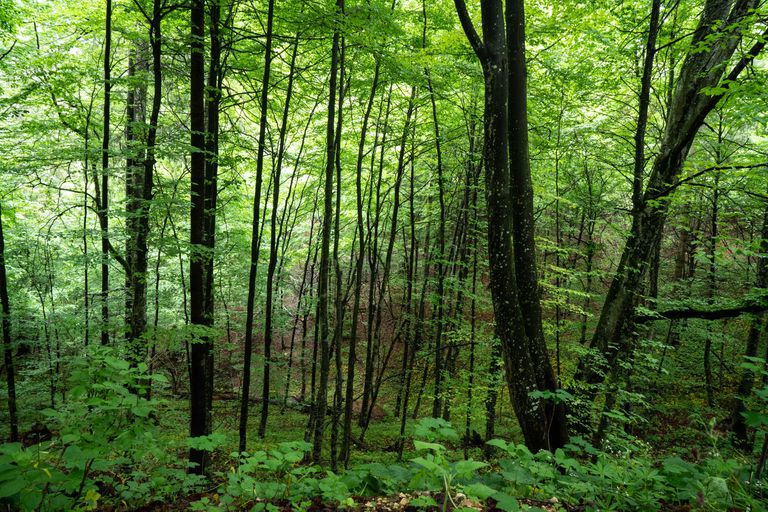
{"points": [[107, 451]]}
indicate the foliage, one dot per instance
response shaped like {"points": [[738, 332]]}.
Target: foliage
{"points": [[105, 435], [577, 474]]}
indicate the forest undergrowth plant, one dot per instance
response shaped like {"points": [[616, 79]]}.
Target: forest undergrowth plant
{"points": [[434, 470], [276, 474], [580, 474], [104, 447]]}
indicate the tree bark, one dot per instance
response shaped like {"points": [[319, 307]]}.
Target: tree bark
{"points": [[687, 112], [104, 206], [5, 314], [323, 319], [255, 238], [201, 350]]}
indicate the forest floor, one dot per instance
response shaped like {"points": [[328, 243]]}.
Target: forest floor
{"points": [[671, 431], [680, 426]]}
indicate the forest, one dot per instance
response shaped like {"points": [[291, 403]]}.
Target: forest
{"points": [[384, 255]]}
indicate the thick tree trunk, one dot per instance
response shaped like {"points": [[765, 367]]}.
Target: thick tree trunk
{"points": [[688, 109], [138, 290], [523, 221], [136, 100], [212, 106], [518, 320], [201, 350]]}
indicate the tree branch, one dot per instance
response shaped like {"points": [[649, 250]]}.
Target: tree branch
{"points": [[743, 62], [704, 314], [697, 174], [469, 29]]}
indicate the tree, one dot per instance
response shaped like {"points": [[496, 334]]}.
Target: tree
{"points": [[716, 37], [201, 360], [511, 268], [104, 206], [323, 318], [10, 369], [255, 250]]}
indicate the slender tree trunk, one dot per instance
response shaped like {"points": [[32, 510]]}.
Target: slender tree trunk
{"points": [[5, 314], [390, 248], [371, 348], [86, 283], [300, 308], [420, 318], [255, 238], [156, 320], [339, 302], [323, 319], [756, 331], [104, 209], [437, 398], [305, 329], [409, 348], [473, 315], [273, 249], [359, 262]]}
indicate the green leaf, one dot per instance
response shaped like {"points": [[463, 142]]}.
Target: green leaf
{"points": [[755, 419], [12, 487], [421, 445], [506, 502], [499, 443], [467, 467], [428, 464], [423, 502], [478, 490]]}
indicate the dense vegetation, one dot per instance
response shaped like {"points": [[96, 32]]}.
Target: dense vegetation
{"points": [[396, 255]]}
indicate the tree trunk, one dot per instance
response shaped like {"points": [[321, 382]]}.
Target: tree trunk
{"points": [[268, 306], [104, 206], [526, 364], [201, 350], [255, 238], [688, 109], [339, 302], [437, 398], [5, 314], [523, 222], [371, 348], [323, 319], [359, 262]]}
